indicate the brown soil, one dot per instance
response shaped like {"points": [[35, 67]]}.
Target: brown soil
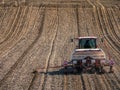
{"points": [[36, 34]]}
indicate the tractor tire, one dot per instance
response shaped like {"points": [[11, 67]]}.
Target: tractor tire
{"points": [[74, 71], [101, 70], [92, 71], [65, 70]]}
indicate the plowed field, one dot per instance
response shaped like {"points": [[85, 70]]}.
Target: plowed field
{"points": [[36, 34]]}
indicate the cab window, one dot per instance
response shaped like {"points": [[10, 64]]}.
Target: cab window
{"points": [[87, 43]]}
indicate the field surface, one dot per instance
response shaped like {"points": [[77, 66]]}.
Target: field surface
{"points": [[36, 34]]}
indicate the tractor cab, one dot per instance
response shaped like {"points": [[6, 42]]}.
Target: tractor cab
{"points": [[86, 42]]}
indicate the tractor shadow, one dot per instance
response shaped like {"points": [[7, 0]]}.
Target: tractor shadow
{"points": [[61, 71], [67, 72]]}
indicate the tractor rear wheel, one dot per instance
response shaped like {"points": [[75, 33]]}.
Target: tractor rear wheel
{"points": [[101, 70]]}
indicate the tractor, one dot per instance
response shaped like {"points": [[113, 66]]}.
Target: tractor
{"points": [[86, 57]]}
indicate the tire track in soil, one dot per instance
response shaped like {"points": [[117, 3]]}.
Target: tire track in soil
{"points": [[5, 23], [86, 25], [23, 23], [108, 78], [20, 61], [14, 22], [66, 75], [3, 12], [116, 22], [9, 34], [74, 79], [106, 21], [96, 78], [46, 67], [37, 77], [69, 81], [111, 42], [6, 12], [110, 28], [9, 58], [117, 72], [101, 28], [77, 20], [16, 34], [98, 25], [116, 14], [117, 61], [112, 79], [25, 76], [63, 51], [19, 32], [3, 16], [114, 25], [44, 80]]}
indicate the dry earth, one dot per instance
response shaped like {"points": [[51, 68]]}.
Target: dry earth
{"points": [[36, 34]]}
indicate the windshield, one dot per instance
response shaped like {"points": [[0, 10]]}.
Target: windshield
{"points": [[87, 43]]}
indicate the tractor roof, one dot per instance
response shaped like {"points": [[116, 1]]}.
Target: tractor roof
{"points": [[87, 37]]}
